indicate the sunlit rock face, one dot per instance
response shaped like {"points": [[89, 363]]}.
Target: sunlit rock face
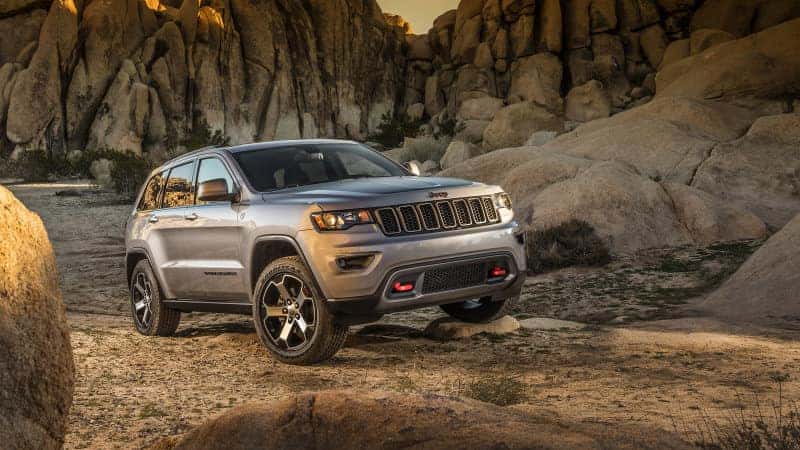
{"points": [[36, 367], [148, 75]]}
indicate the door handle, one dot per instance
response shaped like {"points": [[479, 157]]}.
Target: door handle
{"points": [[153, 219], [192, 216]]}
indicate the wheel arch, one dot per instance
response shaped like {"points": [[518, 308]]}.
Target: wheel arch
{"points": [[132, 257], [267, 249]]}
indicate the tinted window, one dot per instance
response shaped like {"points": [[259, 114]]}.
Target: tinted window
{"points": [[152, 192], [180, 188], [284, 167], [213, 169]]}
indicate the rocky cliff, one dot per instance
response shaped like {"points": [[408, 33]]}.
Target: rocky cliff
{"points": [[150, 75], [536, 62]]}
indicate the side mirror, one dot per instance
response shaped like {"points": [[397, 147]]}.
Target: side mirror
{"points": [[413, 167], [214, 191]]}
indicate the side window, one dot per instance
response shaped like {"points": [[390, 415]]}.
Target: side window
{"points": [[180, 186], [152, 193], [213, 169]]}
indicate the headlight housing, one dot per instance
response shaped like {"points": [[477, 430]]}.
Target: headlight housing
{"points": [[502, 200], [340, 220]]}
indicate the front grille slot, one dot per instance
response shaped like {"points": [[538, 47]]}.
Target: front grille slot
{"points": [[439, 216], [491, 213], [476, 207], [428, 215], [454, 277], [388, 220], [462, 212], [447, 215], [408, 215]]}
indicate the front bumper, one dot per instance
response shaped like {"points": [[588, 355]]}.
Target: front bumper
{"points": [[368, 308], [365, 289]]}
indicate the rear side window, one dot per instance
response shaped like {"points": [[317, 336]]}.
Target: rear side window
{"points": [[213, 169], [180, 186], [152, 193]]}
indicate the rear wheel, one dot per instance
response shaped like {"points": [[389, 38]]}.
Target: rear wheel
{"points": [[479, 310], [150, 316], [292, 318]]}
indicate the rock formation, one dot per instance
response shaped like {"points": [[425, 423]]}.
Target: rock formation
{"points": [[764, 290], [343, 419], [149, 75], [36, 367], [587, 59]]}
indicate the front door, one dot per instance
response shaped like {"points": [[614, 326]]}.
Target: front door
{"points": [[215, 232]]}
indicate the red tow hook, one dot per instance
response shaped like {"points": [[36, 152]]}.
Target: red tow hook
{"points": [[402, 287]]}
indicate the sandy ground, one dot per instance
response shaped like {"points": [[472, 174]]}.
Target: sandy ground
{"points": [[644, 358]]}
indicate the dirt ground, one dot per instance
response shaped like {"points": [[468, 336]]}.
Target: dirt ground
{"points": [[645, 356]]}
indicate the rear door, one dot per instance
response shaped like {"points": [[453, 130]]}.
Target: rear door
{"points": [[169, 244], [216, 264]]}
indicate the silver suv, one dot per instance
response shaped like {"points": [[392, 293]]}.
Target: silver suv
{"points": [[312, 236]]}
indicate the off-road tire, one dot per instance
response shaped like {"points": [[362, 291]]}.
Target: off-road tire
{"points": [[164, 321], [328, 336], [488, 311]]}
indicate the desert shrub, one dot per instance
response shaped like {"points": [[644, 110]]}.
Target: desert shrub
{"points": [[503, 391], [393, 130], [573, 243], [202, 136], [778, 429], [427, 148], [449, 127], [128, 173], [31, 165]]}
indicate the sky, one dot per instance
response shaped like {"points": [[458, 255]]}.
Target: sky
{"points": [[420, 13]]}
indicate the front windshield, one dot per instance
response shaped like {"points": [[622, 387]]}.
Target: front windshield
{"points": [[275, 168]]}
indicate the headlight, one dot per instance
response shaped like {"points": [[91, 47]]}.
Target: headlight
{"points": [[502, 200], [341, 220]]}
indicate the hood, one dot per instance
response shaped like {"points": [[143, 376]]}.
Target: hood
{"points": [[371, 191]]}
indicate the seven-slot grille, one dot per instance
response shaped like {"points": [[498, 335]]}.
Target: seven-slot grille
{"points": [[439, 216]]}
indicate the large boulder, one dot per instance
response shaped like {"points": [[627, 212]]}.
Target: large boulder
{"points": [[632, 212], [736, 69], [759, 172], [491, 168], [345, 419], [666, 139], [537, 79], [514, 124], [19, 32], [764, 290], [733, 16], [37, 373], [702, 40], [588, 102], [458, 152], [482, 108]]}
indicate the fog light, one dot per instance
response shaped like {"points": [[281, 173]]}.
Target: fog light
{"points": [[402, 287], [497, 272]]}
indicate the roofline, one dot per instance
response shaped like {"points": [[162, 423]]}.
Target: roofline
{"points": [[248, 147]]}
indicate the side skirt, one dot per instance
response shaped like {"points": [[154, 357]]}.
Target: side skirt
{"points": [[244, 309]]}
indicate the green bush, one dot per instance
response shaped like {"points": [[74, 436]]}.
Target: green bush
{"points": [[35, 165], [573, 243], [128, 173], [393, 130], [449, 127]]}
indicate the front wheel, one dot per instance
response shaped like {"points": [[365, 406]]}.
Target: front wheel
{"points": [[478, 311], [292, 318]]}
